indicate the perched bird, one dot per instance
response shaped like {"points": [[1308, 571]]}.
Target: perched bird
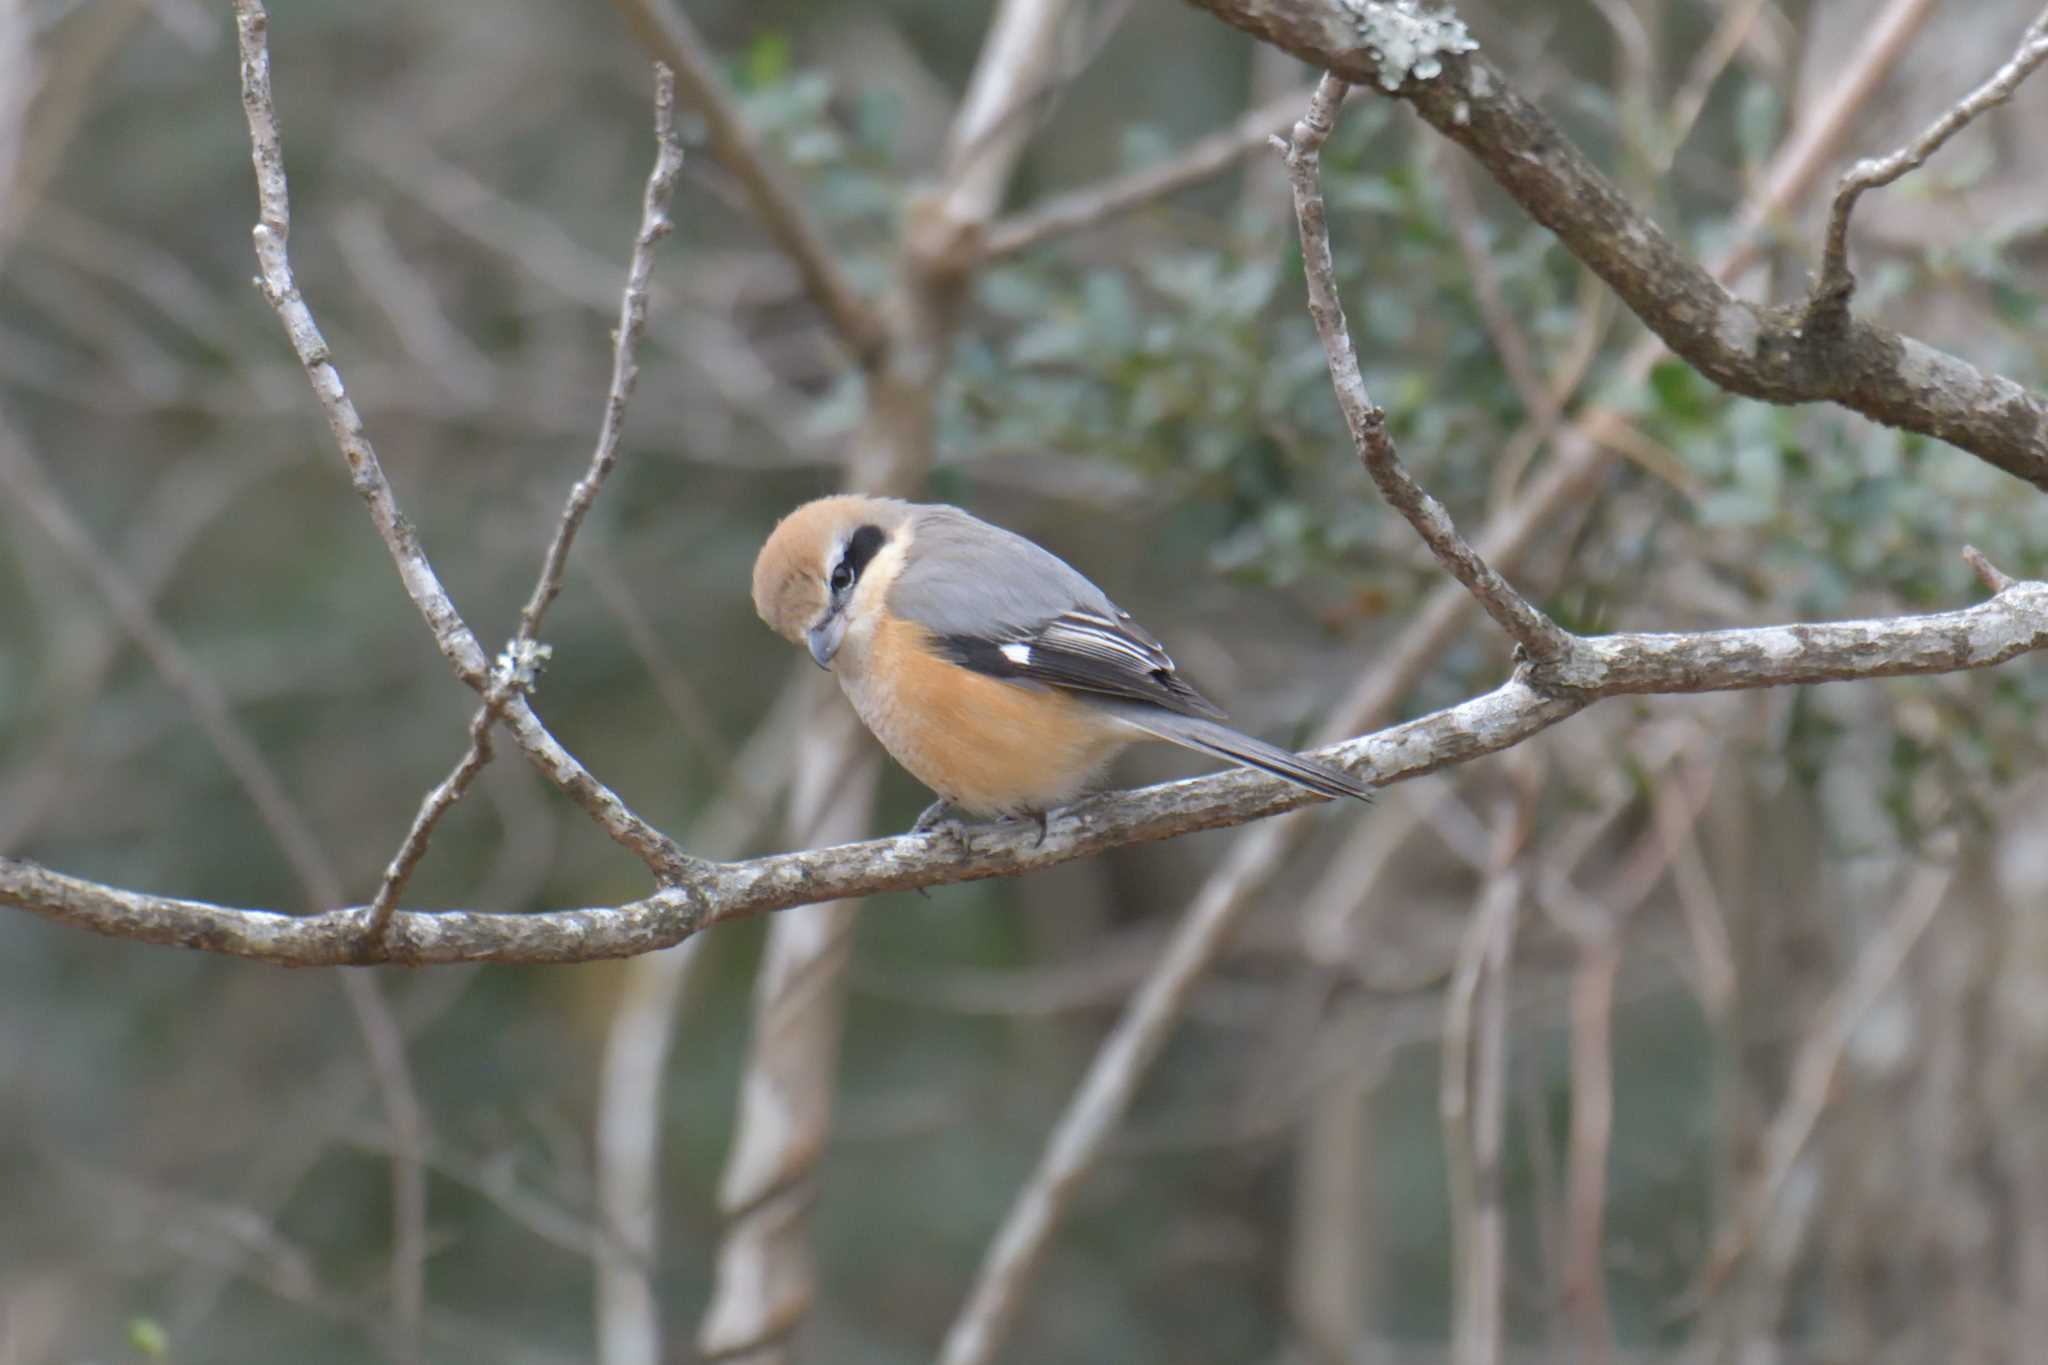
{"points": [[989, 667]]}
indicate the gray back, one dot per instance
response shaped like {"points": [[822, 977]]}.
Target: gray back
{"points": [[966, 577]]}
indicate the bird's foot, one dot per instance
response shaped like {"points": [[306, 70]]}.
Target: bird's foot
{"points": [[942, 817]]}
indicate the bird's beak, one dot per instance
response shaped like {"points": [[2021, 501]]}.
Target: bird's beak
{"points": [[825, 638]]}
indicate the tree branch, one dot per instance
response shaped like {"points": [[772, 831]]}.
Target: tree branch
{"points": [[1835, 285], [455, 639], [1539, 637], [2012, 623], [1746, 348], [519, 664]]}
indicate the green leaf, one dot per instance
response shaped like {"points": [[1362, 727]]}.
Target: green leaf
{"points": [[766, 60], [149, 1338]]}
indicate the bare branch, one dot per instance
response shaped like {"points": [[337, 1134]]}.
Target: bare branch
{"points": [[456, 641], [1529, 628], [632, 325], [1746, 348], [2012, 623], [516, 668], [513, 676], [1835, 285], [1821, 131], [666, 32], [1077, 210]]}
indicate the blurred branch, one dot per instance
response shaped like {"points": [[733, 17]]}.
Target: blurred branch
{"points": [[1510, 342], [29, 488], [405, 296], [631, 1089], [456, 641], [293, 834], [1746, 348], [765, 1282], [666, 32], [1077, 210], [185, 504], [1737, 19], [1471, 1093], [518, 666], [1584, 1279], [1832, 291], [1813, 1066]]}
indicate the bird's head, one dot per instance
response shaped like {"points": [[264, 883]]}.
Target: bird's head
{"points": [[808, 572]]}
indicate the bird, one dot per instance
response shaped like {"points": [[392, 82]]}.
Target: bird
{"points": [[993, 671]]}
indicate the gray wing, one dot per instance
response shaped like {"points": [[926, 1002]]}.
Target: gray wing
{"points": [[1000, 605]]}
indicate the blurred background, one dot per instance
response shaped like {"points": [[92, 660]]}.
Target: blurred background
{"points": [[1803, 928]]}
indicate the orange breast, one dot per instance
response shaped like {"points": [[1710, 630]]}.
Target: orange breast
{"points": [[989, 747]]}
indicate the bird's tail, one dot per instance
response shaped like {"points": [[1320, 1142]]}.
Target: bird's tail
{"points": [[1207, 736]]}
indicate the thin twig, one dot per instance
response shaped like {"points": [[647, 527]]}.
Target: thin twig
{"points": [[632, 325], [513, 676], [1836, 284], [1078, 210], [454, 638], [516, 669], [1542, 639], [667, 33]]}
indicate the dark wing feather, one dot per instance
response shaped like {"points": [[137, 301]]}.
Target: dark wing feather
{"points": [[1086, 651]]}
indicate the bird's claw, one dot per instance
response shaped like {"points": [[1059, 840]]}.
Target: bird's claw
{"points": [[940, 818]]}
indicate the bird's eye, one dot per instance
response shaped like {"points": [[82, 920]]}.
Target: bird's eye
{"points": [[842, 577]]}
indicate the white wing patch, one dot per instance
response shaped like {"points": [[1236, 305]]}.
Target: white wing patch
{"points": [[1116, 643], [1018, 654]]}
